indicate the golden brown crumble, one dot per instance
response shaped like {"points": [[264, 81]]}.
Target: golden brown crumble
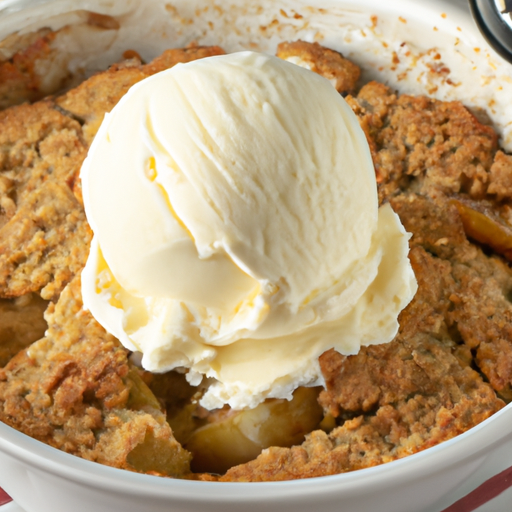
{"points": [[343, 73], [448, 369]]}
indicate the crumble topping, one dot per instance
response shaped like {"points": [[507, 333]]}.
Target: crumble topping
{"points": [[448, 369]]}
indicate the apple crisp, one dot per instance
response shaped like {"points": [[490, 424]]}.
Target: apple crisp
{"points": [[72, 385]]}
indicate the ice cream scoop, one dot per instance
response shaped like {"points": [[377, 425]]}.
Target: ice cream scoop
{"points": [[236, 226]]}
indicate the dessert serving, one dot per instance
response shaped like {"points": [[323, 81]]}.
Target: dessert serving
{"points": [[243, 239], [77, 388]]}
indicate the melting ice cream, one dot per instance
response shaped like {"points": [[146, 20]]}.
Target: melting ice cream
{"points": [[237, 232]]}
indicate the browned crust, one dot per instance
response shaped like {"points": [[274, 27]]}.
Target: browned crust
{"points": [[72, 389], [43, 232], [441, 146], [330, 64]]}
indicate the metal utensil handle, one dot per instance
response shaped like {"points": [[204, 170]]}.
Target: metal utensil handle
{"points": [[494, 21]]}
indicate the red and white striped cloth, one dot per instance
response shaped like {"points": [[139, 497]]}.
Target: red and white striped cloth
{"points": [[4, 497]]}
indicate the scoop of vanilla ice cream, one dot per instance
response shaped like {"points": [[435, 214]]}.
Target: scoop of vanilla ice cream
{"points": [[236, 228]]}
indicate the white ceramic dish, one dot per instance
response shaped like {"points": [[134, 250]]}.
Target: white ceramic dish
{"points": [[499, 504], [42, 479]]}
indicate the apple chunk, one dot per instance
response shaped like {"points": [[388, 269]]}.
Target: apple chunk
{"points": [[235, 437]]}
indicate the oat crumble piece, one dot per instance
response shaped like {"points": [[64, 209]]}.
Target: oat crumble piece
{"points": [[341, 72], [73, 390], [431, 145]]}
